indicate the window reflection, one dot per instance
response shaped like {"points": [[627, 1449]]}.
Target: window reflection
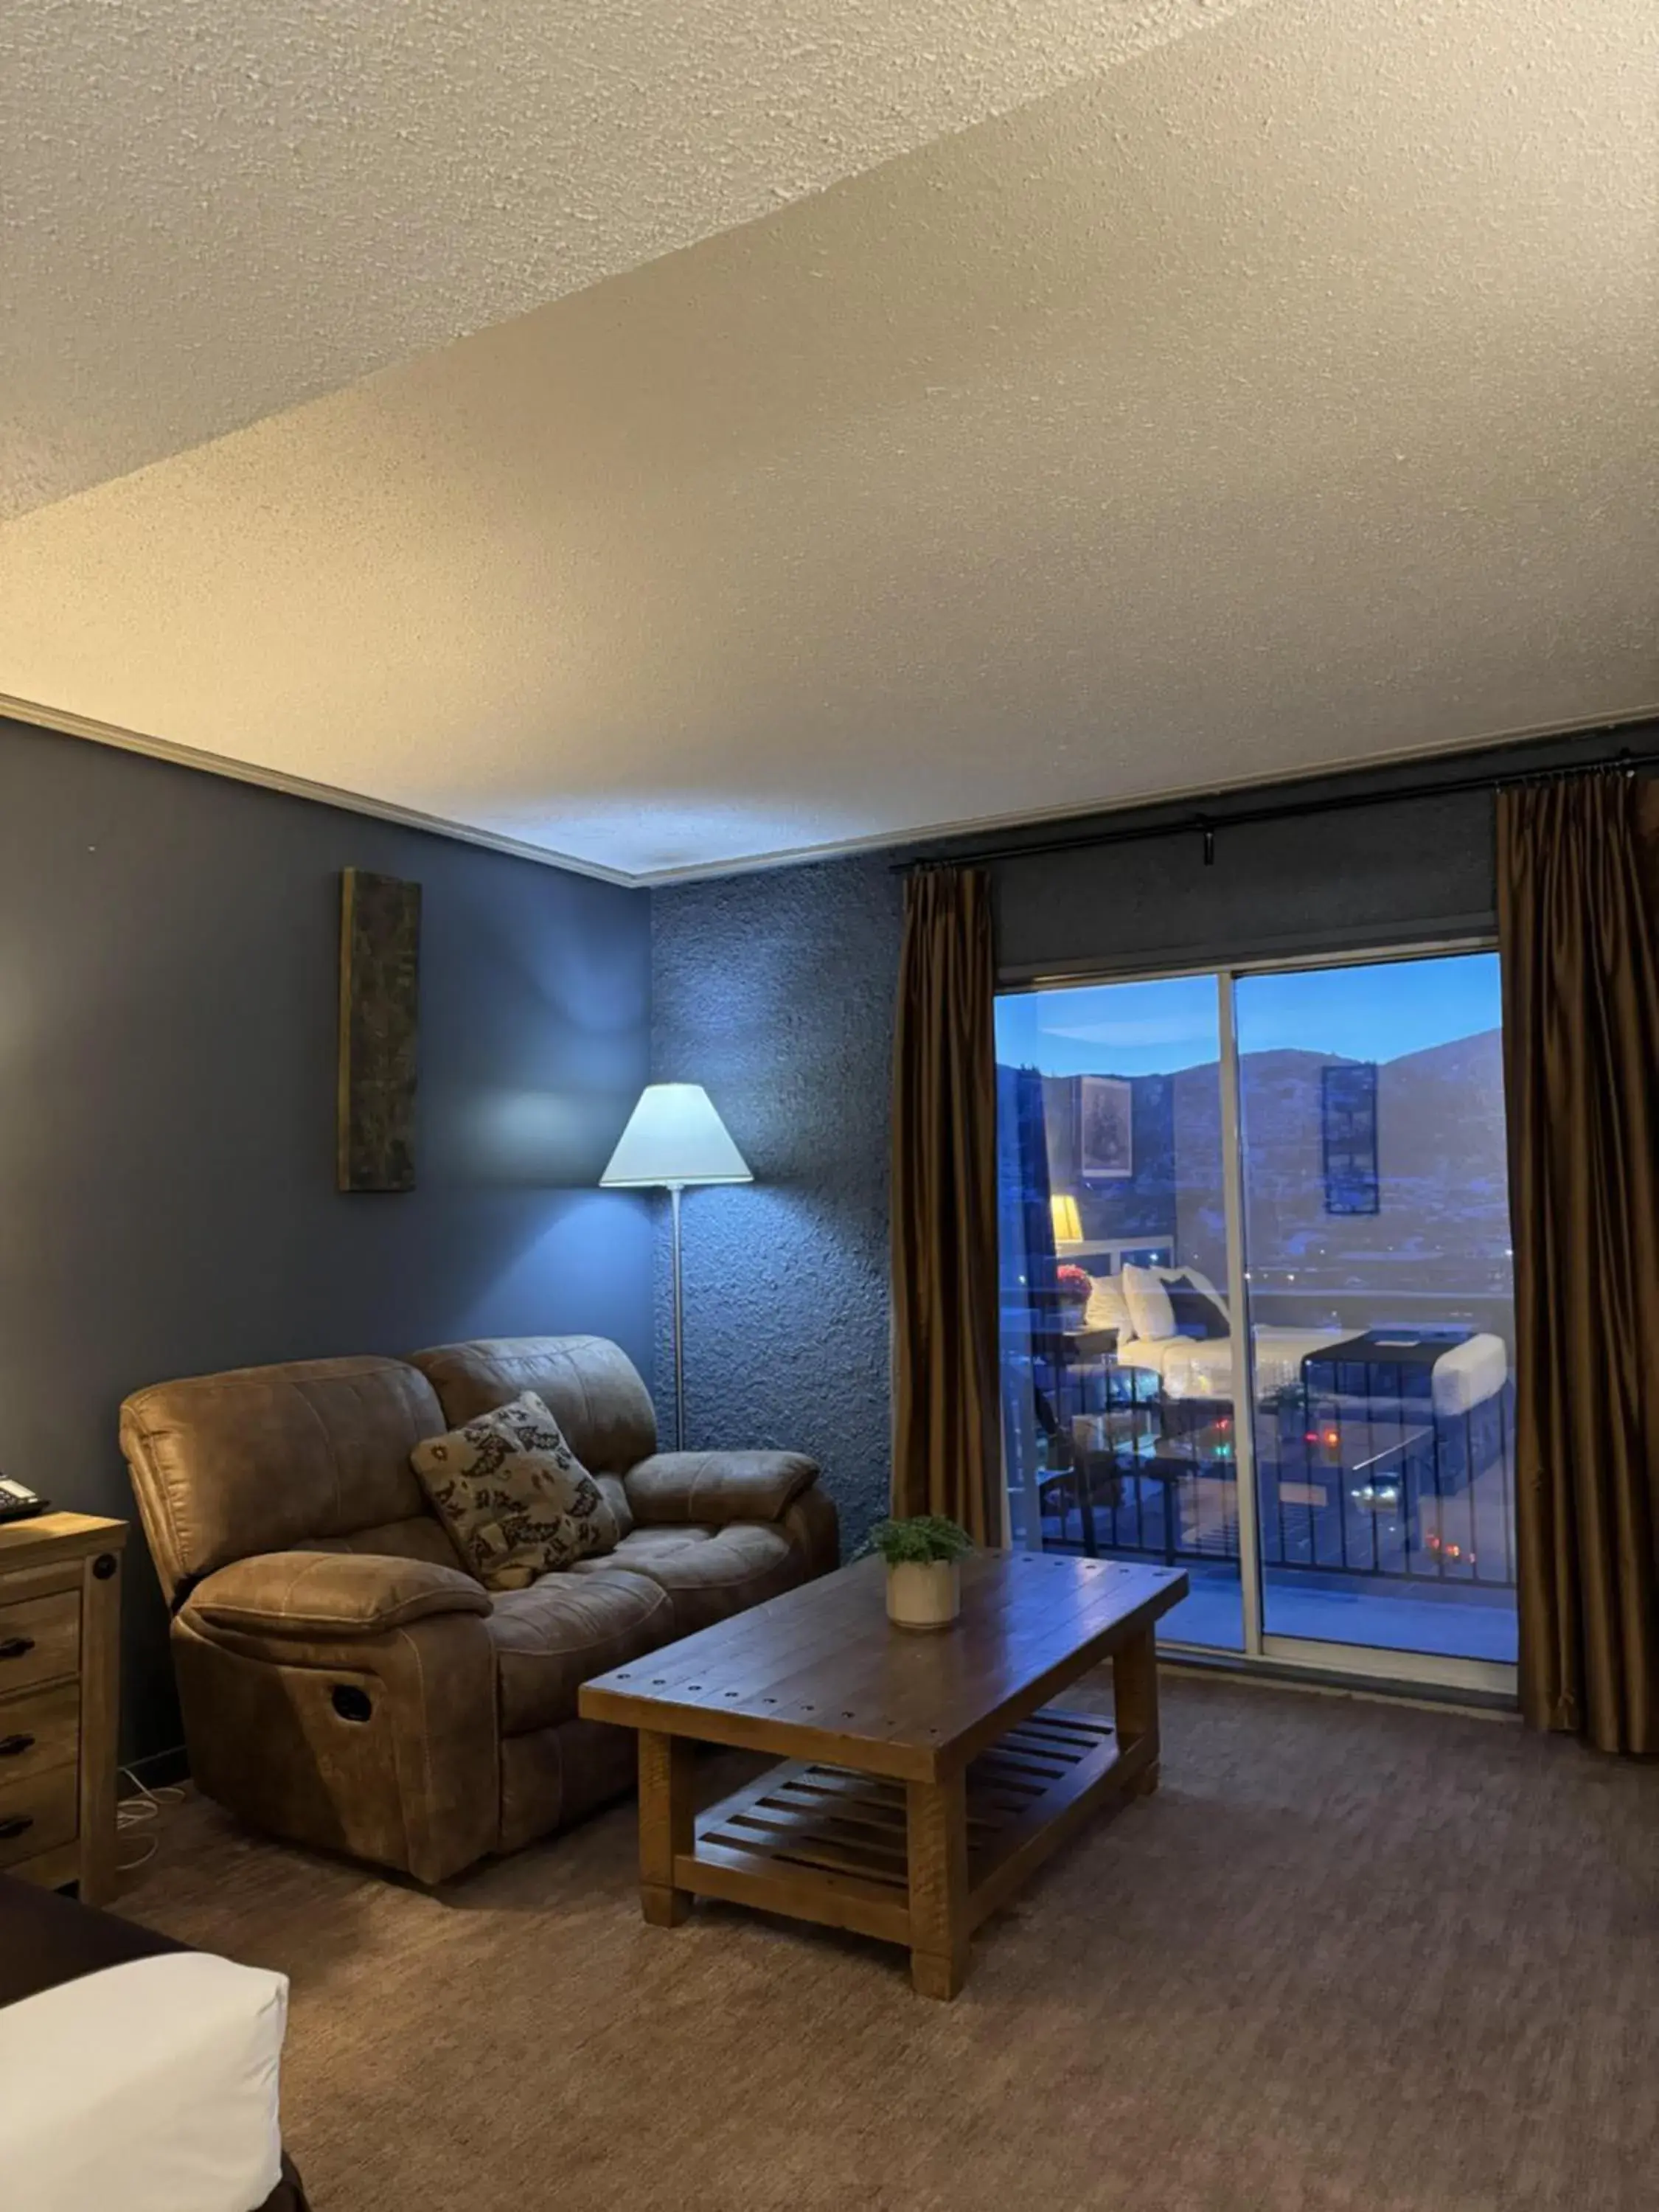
{"points": [[1375, 1362]]}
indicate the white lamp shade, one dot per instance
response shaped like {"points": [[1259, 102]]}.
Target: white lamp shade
{"points": [[674, 1136]]}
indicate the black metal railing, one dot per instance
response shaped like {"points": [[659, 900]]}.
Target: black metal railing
{"points": [[1378, 1484]]}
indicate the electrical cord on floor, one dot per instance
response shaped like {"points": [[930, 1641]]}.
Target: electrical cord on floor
{"points": [[143, 1809]]}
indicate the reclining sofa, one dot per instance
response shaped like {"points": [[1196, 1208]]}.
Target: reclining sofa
{"points": [[346, 1682]]}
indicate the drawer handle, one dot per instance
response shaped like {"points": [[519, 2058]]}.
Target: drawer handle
{"points": [[14, 1747], [19, 1827], [16, 1647]]}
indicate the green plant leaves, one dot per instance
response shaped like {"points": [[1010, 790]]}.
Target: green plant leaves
{"points": [[927, 1537]]}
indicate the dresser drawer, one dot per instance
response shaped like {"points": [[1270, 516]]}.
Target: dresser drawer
{"points": [[39, 1814], [39, 1730], [40, 1640]]}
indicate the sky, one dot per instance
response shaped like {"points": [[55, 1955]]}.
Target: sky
{"points": [[1376, 1011]]}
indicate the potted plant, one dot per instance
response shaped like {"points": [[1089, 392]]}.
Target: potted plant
{"points": [[1075, 1286], [924, 1579]]}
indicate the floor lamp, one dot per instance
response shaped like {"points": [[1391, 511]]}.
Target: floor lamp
{"points": [[673, 1141]]}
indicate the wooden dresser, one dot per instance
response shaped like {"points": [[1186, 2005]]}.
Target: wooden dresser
{"points": [[60, 1619]]}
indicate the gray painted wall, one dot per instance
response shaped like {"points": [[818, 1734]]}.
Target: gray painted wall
{"points": [[168, 948], [776, 991]]}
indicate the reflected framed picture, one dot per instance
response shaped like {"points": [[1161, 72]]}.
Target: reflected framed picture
{"points": [[1106, 1136], [1348, 1134]]}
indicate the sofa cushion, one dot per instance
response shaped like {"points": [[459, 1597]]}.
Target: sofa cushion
{"points": [[708, 1574], [641, 1545], [513, 1496], [717, 1485], [549, 1638], [589, 1385], [422, 1536], [615, 1494], [263, 1458]]}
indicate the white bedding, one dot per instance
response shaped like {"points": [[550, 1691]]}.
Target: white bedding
{"points": [[149, 2087], [1465, 1376]]}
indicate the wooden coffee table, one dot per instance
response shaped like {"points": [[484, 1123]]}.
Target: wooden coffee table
{"points": [[926, 1774]]}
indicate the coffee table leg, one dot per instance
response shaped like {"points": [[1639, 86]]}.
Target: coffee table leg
{"points": [[666, 1825], [1134, 1697], [937, 1825]]}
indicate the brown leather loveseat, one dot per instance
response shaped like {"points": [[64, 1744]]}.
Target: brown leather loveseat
{"points": [[345, 1681]]}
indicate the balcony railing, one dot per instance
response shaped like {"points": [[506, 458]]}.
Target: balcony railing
{"points": [[1377, 1486]]}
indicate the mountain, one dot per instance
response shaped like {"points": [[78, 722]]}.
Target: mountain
{"points": [[1441, 1221]]}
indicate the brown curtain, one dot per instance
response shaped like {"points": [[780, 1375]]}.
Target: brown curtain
{"points": [[946, 1447], [1579, 920]]}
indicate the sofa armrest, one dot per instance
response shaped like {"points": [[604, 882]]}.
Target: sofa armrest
{"points": [[331, 1594], [717, 1486]]}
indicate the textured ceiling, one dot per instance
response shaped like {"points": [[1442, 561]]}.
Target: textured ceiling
{"points": [[1286, 396], [213, 211]]}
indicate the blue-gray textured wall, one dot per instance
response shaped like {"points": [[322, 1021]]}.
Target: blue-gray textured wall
{"points": [[776, 991], [168, 965]]}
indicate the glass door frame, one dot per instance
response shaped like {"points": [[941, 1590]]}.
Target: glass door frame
{"points": [[1490, 1681]]}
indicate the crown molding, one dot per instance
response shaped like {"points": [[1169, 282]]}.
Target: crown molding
{"points": [[796, 856]]}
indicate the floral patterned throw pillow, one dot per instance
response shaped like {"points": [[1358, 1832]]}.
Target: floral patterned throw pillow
{"points": [[516, 1500]]}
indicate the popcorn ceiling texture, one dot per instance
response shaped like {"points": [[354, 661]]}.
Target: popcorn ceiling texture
{"points": [[213, 211], [1282, 398], [775, 991]]}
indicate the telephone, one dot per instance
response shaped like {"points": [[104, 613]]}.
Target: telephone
{"points": [[17, 1501]]}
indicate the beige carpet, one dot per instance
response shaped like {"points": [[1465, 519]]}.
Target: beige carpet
{"points": [[1353, 1955]]}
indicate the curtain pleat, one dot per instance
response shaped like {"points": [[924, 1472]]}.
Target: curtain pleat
{"points": [[1578, 921], [946, 1444]]}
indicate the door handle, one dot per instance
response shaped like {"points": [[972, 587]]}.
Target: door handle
{"points": [[14, 1747], [15, 1828], [16, 1647]]}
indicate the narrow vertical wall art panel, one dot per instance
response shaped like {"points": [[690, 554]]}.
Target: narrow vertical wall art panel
{"points": [[379, 1016]]}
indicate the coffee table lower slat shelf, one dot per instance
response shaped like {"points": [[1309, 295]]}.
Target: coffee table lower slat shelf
{"points": [[801, 1893], [826, 1843], [1100, 1768]]}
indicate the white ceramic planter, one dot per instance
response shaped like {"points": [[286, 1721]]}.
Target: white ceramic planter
{"points": [[924, 1594]]}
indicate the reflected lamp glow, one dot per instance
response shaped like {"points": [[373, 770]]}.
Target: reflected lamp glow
{"points": [[1068, 1222], [675, 1140]]}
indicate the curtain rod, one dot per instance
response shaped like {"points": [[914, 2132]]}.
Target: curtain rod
{"points": [[1204, 824]]}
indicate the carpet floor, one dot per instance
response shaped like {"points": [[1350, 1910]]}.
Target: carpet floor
{"points": [[1353, 1957]]}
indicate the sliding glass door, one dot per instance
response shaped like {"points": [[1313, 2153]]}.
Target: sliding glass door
{"points": [[1256, 1302], [1377, 1237], [1114, 1229]]}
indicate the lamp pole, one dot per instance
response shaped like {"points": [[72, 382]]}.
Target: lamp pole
{"points": [[674, 1191]]}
